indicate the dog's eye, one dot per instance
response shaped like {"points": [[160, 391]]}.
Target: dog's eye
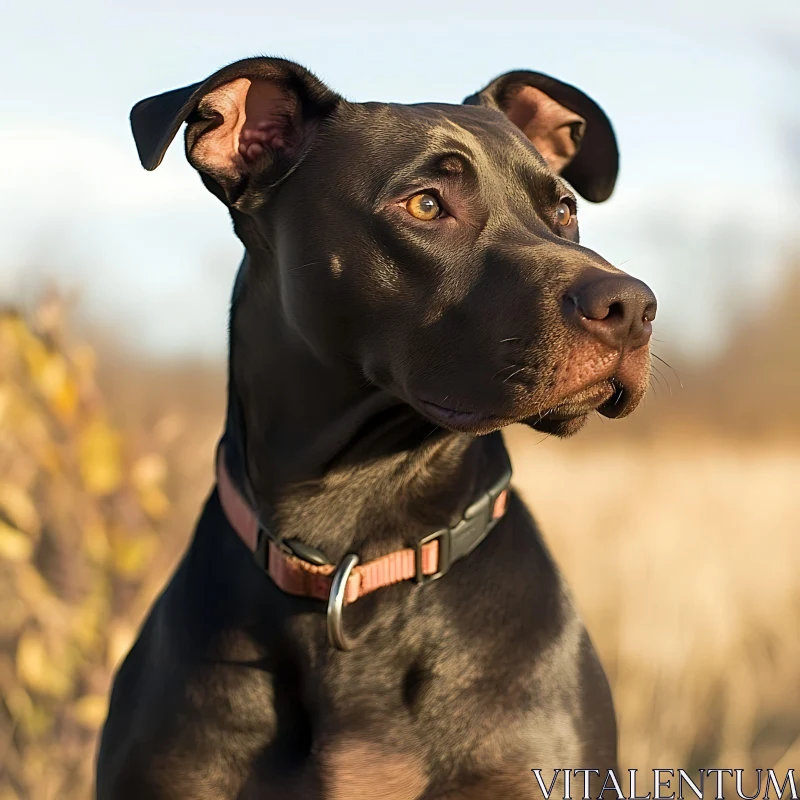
{"points": [[565, 211], [424, 206]]}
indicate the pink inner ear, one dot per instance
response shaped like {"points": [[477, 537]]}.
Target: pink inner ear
{"points": [[547, 124], [257, 116]]}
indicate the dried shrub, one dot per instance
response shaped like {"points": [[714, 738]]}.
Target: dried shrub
{"points": [[80, 508]]}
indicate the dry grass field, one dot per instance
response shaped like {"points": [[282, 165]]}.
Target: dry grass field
{"points": [[678, 531], [683, 559]]}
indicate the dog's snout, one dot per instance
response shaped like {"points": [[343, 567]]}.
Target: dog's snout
{"points": [[615, 309]]}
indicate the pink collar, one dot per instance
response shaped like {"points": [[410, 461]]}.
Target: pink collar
{"points": [[299, 577]]}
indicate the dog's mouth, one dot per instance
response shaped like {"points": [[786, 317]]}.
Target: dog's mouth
{"points": [[607, 397], [615, 390], [594, 398], [611, 395]]}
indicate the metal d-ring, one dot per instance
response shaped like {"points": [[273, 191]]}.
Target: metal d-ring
{"points": [[336, 634]]}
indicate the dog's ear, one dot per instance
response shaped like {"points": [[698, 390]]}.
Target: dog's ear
{"points": [[568, 128], [247, 124]]}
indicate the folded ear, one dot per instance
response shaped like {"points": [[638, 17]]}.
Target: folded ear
{"points": [[568, 128], [247, 124]]}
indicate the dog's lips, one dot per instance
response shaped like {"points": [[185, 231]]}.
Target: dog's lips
{"points": [[613, 395], [570, 415], [630, 383], [614, 384], [590, 399], [619, 403], [466, 421]]}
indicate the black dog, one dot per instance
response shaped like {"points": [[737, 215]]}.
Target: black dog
{"points": [[412, 283]]}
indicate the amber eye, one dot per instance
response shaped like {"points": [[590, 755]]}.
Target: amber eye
{"points": [[564, 213], [424, 206]]}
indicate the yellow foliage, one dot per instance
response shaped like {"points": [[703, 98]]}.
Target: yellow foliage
{"points": [[148, 475], [30, 716], [14, 545], [149, 470], [39, 668], [131, 554], [95, 541], [19, 507], [90, 711], [154, 501], [37, 594], [78, 501], [88, 618], [100, 457]]}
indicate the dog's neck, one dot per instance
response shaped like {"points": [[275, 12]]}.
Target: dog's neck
{"points": [[332, 461]]}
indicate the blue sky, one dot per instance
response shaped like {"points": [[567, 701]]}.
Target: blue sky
{"points": [[701, 96]]}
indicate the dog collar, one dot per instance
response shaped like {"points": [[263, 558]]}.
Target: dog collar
{"points": [[304, 572]]}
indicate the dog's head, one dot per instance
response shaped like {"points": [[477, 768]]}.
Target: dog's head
{"points": [[435, 247]]}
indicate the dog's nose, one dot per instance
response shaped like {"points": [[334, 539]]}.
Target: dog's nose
{"points": [[616, 309]]}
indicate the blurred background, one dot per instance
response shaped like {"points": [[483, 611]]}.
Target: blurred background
{"points": [[677, 528]]}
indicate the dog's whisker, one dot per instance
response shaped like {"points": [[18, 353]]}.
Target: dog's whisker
{"points": [[430, 433], [656, 373], [663, 361], [667, 364], [653, 386], [506, 380], [503, 369], [664, 378]]}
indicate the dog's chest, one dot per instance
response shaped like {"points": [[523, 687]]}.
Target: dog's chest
{"points": [[389, 757], [352, 768]]}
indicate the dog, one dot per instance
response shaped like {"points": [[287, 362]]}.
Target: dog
{"points": [[366, 609]]}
